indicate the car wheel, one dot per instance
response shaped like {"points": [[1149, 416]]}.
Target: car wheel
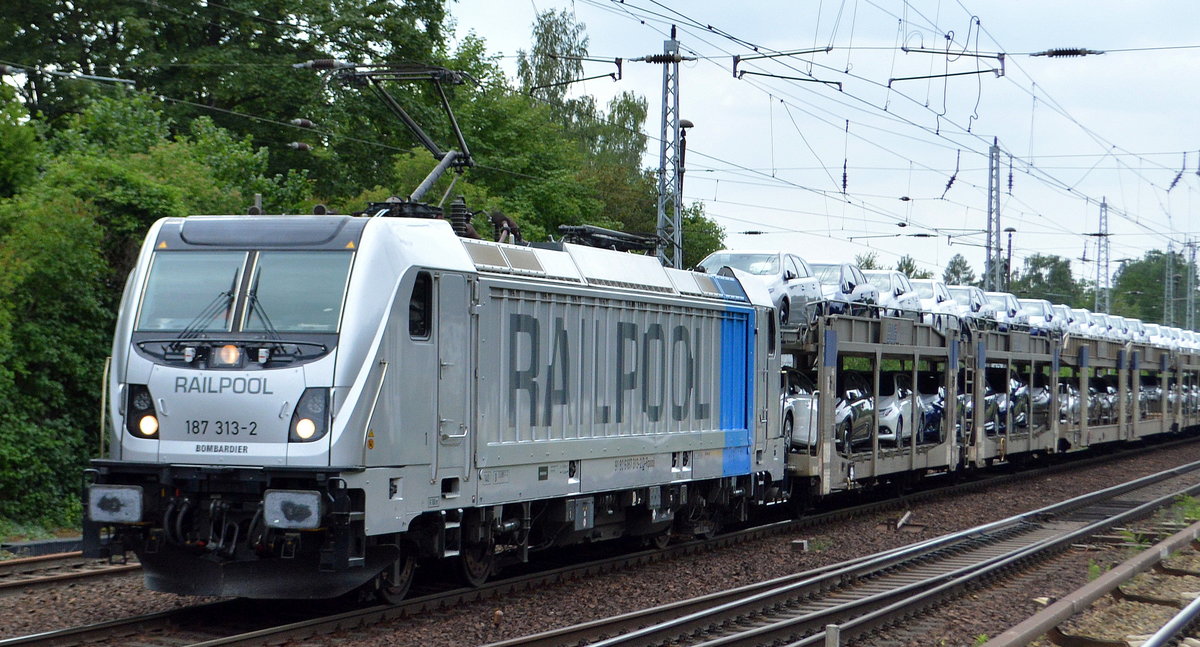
{"points": [[785, 310], [900, 432], [788, 427]]}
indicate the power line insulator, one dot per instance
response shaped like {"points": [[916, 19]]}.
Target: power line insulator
{"points": [[1067, 52], [323, 64], [300, 146], [303, 123]]}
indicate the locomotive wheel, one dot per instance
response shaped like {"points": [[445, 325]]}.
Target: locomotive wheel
{"points": [[711, 527], [476, 562], [396, 579], [661, 540]]}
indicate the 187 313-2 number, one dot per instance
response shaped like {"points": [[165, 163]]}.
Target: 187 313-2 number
{"points": [[221, 427]]}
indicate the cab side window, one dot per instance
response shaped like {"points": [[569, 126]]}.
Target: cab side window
{"points": [[420, 307]]}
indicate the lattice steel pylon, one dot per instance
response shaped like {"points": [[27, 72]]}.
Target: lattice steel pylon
{"points": [[992, 279], [1103, 278], [670, 200]]}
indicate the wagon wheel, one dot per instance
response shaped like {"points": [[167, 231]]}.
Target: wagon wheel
{"points": [[396, 579], [476, 562]]}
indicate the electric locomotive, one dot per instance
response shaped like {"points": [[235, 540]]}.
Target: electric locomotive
{"points": [[303, 406]]}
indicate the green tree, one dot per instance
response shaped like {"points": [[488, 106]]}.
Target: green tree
{"points": [[54, 334], [868, 261], [701, 236], [233, 62], [908, 265], [67, 242], [19, 144], [553, 62], [1138, 286], [958, 271], [1048, 277]]}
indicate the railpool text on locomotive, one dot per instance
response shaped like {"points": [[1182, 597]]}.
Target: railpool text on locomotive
{"points": [[647, 365], [252, 385]]}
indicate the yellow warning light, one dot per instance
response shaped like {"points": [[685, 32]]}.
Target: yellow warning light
{"points": [[350, 245], [162, 245]]}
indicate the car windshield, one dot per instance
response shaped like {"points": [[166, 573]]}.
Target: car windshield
{"points": [[1034, 309], [798, 383], [828, 274], [297, 292], [191, 290], [962, 296], [881, 281], [998, 300], [923, 289], [760, 264]]}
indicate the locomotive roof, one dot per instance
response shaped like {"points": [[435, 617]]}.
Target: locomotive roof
{"points": [[564, 262]]}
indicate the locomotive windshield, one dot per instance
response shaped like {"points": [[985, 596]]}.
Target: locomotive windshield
{"points": [[191, 290], [199, 291], [297, 292]]}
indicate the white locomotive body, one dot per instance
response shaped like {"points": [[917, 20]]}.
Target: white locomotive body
{"points": [[305, 405]]}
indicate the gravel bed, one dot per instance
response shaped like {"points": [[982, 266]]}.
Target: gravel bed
{"points": [[1185, 560], [1112, 619], [1176, 589], [568, 603], [971, 619]]}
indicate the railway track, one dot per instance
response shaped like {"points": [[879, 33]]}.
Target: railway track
{"points": [[841, 602], [251, 623], [1170, 566], [26, 573]]}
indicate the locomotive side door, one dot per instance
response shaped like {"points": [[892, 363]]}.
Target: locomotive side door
{"points": [[454, 385]]}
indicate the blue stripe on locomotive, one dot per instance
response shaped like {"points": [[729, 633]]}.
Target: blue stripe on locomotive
{"points": [[737, 388]]}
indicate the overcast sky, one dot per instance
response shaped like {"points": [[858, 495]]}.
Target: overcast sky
{"points": [[767, 153]]}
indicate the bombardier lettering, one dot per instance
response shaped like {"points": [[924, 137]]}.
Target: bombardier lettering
{"points": [[214, 384], [623, 370]]}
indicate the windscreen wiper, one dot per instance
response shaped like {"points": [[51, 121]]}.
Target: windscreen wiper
{"points": [[222, 301], [257, 310]]}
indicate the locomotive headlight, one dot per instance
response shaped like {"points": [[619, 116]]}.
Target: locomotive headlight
{"points": [[305, 428], [310, 420], [141, 419], [227, 355], [148, 425]]}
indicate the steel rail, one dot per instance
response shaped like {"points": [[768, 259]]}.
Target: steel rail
{"points": [[959, 583], [374, 614], [694, 615], [47, 570], [1047, 619]]}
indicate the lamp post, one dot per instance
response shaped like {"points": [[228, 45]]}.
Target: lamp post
{"points": [[684, 124], [1008, 261]]}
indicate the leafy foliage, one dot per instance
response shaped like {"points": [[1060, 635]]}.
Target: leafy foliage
{"points": [[1048, 277], [908, 265], [19, 144], [958, 271], [868, 261]]}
